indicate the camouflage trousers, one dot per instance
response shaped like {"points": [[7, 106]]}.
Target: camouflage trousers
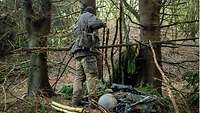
{"points": [[86, 70]]}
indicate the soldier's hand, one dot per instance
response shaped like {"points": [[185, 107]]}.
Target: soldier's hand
{"points": [[104, 24]]}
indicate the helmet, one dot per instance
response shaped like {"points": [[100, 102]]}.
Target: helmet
{"points": [[108, 101], [89, 9]]}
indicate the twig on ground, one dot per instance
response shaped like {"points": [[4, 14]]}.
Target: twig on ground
{"points": [[101, 108]]}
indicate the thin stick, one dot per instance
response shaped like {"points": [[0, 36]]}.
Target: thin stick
{"points": [[112, 49], [120, 42], [106, 57], [101, 108], [62, 71], [165, 79], [100, 47]]}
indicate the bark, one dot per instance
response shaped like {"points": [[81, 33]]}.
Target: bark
{"points": [[38, 27], [120, 42], [149, 11]]}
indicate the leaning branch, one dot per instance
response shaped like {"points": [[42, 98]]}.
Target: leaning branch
{"points": [[165, 78]]}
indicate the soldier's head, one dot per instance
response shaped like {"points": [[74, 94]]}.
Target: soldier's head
{"points": [[89, 9]]}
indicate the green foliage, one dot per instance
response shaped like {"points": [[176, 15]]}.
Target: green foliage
{"points": [[101, 88], [66, 91], [128, 64], [193, 99], [192, 77], [149, 90]]}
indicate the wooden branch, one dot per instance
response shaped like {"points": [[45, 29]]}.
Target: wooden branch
{"points": [[187, 45], [67, 108], [101, 108], [60, 76], [181, 62], [164, 78], [126, 15], [100, 47], [176, 40], [56, 1], [106, 57], [132, 10], [41, 49], [177, 23], [61, 109], [73, 13]]}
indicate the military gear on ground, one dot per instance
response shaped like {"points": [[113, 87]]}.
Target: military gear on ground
{"points": [[131, 100], [86, 70], [125, 88], [134, 103]]}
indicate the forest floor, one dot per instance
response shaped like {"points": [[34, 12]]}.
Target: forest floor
{"points": [[13, 100]]}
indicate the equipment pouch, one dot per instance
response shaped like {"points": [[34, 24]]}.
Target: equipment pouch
{"points": [[86, 40]]}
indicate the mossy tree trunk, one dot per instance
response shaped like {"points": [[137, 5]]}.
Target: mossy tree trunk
{"points": [[38, 27], [149, 11]]}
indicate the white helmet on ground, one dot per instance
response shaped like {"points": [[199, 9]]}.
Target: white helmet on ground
{"points": [[108, 101]]}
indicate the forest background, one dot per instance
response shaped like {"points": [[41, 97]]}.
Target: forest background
{"points": [[171, 25]]}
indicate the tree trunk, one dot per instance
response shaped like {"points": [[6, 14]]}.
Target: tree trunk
{"points": [[149, 11], [38, 28]]}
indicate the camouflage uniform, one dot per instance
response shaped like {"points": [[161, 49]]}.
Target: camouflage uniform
{"points": [[86, 55]]}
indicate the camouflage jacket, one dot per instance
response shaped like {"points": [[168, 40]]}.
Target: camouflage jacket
{"points": [[85, 36]]}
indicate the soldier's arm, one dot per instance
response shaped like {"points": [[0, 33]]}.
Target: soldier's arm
{"points": [[95, 23], [77, 30]]}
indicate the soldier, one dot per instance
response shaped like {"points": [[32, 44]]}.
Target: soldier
{"points": [[85, 54]]}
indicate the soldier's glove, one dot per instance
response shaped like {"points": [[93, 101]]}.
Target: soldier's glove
{"points": [[104, 24]]}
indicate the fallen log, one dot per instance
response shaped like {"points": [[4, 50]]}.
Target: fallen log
{"points": [[66, 109]]}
